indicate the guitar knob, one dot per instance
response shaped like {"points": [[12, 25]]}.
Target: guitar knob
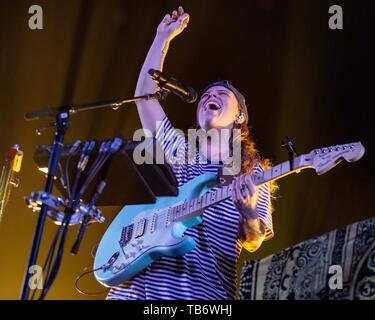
{"points": [[117, 267]]}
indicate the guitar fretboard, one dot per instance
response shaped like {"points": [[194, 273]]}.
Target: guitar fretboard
{"points": [[194, 207]]}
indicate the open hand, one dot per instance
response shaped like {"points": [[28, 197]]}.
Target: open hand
{"points": [[172, 25]]}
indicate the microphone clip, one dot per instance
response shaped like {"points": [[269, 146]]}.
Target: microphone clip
{"points": [[161, 94]]}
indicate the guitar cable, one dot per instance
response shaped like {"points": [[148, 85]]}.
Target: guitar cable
{"points": [[57, 262], [48, 261], [86, 272], [53, 270]]}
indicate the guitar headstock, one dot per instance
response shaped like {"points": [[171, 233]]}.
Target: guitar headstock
{"points": [[324, 159]]}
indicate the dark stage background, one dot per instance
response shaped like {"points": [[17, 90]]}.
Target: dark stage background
{"points": [[300, 78]]}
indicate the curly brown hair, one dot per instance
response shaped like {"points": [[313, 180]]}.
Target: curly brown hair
{"points": [[250, 157]]}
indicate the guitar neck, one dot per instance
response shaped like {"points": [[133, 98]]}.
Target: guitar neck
{"points": [[192, 208]]}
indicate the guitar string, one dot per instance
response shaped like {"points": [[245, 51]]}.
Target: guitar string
{"points": [[215, 192]]}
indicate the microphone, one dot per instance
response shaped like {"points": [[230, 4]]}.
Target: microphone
{"points": [[166, 82]]}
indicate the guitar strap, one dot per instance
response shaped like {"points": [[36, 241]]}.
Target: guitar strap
{"points": [[223, 179]]}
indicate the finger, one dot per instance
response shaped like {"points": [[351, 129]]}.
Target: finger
{"points": [[185, 19], [244, 190], [233, 193], [166, 17], [180, 10], [238, 191], [174, 14], [250, 185]]}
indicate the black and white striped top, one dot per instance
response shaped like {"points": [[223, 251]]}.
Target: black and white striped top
{"points": [[209, 271]]}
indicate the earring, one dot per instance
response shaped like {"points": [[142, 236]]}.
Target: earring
{"points": [[240, 118]]}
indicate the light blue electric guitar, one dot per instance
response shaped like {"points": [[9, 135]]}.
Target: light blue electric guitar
{"points": [[141, 234]]}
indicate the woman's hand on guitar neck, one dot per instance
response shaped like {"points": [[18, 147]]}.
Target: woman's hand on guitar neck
{"points": [[245, 195], [245, 199]]}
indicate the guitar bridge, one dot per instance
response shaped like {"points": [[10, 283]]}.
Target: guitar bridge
{"points": [[126, 235]]}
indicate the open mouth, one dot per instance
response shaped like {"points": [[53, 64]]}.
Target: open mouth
{"points": [[212, 105]]}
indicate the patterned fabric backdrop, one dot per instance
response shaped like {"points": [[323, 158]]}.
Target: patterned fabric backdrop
{"points": [[339, 265]]}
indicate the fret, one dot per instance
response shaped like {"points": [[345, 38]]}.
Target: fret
{"points": [[173, 214], [208, 197], [285, 167], [206, 200], [213, 197], [258, 178], [228, 191], [184, 209], [267, 175], [189, 206], [192, 205], [219, 194], [178, 211], [276, 170], [223, 193], [230, 188], [197, 204]]}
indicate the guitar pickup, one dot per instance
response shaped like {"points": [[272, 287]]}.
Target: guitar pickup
{"points": [[140, 228], [153, 223], [126, 235]]}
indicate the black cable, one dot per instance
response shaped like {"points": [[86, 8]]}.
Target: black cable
{"points": [[54, 268], [48, 261], [79, 171], [58, 259], [90, 177], [88, 293], [110, 148], [71, 152], [87, 150], [104, 148]]}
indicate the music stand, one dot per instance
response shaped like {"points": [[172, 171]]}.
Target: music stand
{"points": [[127, 181]]}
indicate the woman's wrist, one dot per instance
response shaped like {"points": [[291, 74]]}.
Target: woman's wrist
{"points": [[249, 213], [163, 42]]}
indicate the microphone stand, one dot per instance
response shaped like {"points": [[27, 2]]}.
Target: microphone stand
{"points": [[62, 114], [62, 120], [114, 104]]}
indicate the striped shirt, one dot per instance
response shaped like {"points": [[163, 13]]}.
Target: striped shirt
{"points": [[208, 272]]}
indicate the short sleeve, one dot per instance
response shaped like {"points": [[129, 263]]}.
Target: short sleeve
{"points": [[264, 205]]}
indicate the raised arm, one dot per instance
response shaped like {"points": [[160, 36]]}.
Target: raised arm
{"points": [[172, 25]]}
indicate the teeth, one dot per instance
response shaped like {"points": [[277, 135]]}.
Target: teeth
{"points": [[213, 103]]}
